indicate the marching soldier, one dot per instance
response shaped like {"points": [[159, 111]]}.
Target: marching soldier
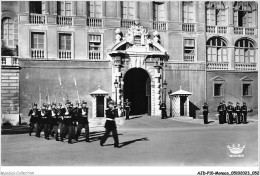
{"points": [[224, 112], [34, 120], [75, 119], [244, 113], [238, 111], [67, 121], [44, 115], [60, 117], [110, 125], [83, 121], [205, 113], [54, 121], [220, 111], [127, 109], [230, 110], [163, 110]]}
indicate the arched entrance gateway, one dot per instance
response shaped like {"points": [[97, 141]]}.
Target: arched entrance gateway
{"points": [[138, 63]]}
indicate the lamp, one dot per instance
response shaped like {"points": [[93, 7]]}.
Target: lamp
{"points": [[116, 86]]}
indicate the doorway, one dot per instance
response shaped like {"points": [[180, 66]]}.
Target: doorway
{"points": [[100, 106], [136, 83]]}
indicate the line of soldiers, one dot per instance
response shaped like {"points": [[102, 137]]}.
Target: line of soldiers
{"points": [[50, 118]]}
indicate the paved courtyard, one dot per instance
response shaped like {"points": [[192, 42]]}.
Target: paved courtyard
{"points": [[144, 141]]}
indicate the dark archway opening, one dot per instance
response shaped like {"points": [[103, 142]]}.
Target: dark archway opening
{"points": [[137, 90]]}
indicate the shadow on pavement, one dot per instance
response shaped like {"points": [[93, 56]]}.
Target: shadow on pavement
{"points": [[135, 117], [93, 136], [133, 141], [14, 130]]}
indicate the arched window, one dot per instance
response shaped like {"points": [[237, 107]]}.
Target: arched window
{"points": [[244, 51], [188, 11], [244, 14], [216, 50], [8, 31], [216, 13]]}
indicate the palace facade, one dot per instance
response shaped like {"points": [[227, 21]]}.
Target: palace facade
{"points": [[143, 51]]}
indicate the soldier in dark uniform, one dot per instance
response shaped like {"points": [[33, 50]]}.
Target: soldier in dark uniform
{"points": [[163, 110], [54, 121], [230, 110], [220, 111], [205, 113], [75, 119], [238, 112], [127, 109], [60, 117], [244, 113], [67, 121], [83, 121], [44, 114], [110, 125], [34, 120], [224, 112]]}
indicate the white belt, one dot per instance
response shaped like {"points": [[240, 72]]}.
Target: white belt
{"points": [[44, 117], [110, 119], [67, 117]]}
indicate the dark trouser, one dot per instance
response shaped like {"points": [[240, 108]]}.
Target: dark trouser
{"points": [[244, 117], [79, 128], [45, 128], [224, 116], [164, 114], [238, 118], [51, 129], [205, 116], [32, 124], [230, 117], [106, 135], [65, 129], [127, 114], [38, 129], [221, 117], [55, 129]]}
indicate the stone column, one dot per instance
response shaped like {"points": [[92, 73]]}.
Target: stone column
{"points": [[231, 57], [188, 106], [157, 77], [180, 10], [94, 105], [230, 17], [136, 10], [119, 9], [74, 8], [167, 10], [103, 14]]}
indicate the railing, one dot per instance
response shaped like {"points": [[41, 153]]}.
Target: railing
{"points": [[94, 22], [244, 31], [189, 57], [245, 66], [94, 55], [9, 61], [189, 27], [37, 19], [64, 54], [217, 65], [64, 20], [37, 53], [125, 23], [217, 29], [159, 25]]}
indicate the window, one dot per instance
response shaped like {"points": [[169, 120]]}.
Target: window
{"points": [[246, 89], [189, 50], [218, 89], [128, 10], [216, 13], [36, 7], [244, 14], [64, 41], [244, 51], [8, 32], [37, 40], [94, 46], [158, 11], [216, 50], [188, 10], [95, 9], [64, 8]]}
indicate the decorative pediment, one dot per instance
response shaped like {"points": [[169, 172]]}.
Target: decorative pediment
{"points": [[246, 78], [218, 78]]}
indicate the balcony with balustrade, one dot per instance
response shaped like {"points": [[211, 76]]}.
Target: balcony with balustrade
{"points": [[217, 29], [65, 54], [189, 57], [245, 31], [94, 22], [160, 25], [65, 20], [9, 61], [126, 23], [189, 27], [217, 65], [245, 66], [37, 18], [37, 53], [94, 55]]}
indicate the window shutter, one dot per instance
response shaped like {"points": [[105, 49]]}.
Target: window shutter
{"points": [[236, 18]]}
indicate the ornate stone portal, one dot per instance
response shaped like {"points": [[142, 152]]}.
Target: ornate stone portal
{"points": [[137, 50]]}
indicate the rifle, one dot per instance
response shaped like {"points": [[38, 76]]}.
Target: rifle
{"points": [[77, 89]]}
